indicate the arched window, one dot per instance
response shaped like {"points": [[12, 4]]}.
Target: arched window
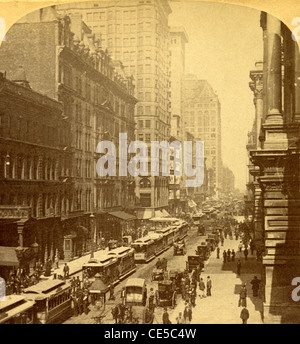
{"points": [[145, 183]]}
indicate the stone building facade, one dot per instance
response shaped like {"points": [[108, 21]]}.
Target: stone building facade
{"points": [[68, 65]]}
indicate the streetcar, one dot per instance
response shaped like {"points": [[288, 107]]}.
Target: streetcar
{"points": [[106, 266], [160, 246], [181, 230], [168, 235], [144, 249], [125, 256], [52, 300], [17, 310]]}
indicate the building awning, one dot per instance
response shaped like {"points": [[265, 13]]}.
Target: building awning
{"points": [[158, 213], [192, 204], [122, 215], [144, 214], [165, 213], [8, 256]]}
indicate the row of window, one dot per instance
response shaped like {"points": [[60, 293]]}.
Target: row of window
{"points": [[24, 167], [118, 14]]}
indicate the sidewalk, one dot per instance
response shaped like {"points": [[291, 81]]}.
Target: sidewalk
{"points": [[222, 306], [75, 265]]}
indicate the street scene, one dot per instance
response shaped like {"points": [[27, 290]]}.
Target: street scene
{"points": [[149, 165]]}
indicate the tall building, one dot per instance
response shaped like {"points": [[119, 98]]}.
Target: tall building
{"points": [[35, 169], [178, 40], [202, 116], [275, 166], [137, 33], [67, 64]]}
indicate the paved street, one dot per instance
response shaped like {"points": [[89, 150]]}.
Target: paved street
{"points": [[221, 307]]}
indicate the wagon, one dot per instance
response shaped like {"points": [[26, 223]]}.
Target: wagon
{"points": [[166, 294], [157, 274], [179, 248]]}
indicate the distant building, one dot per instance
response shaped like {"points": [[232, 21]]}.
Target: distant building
{"points": [[202, 116]]}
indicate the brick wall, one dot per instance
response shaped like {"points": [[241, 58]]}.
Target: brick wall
{"points": [[31, 45]]}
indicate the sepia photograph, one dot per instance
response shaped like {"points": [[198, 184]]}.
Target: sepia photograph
{"points": [[149, 163]]}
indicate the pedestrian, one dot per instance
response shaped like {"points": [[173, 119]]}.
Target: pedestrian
{"points": [[187, 314], [74, 304], [246, 253], [228, 255], [66, 271], [179, 319], [151, 300], [78, 283], [115, 314], [232, 255], [238, 267], [222, 240], [165, 317], [244, 315], [218, 252], [86, 302], [243, 296], [80, 301], [202, 288], [193, 297], [240, 246], [252, 247], [255, 286], [57, 261], [123, 295], [208, 286], [224, 256]]}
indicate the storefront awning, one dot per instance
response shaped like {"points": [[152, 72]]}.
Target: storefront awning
{"points": [[158, 213], [165, 213], [8, 256], [144, 214], [122, 215]]}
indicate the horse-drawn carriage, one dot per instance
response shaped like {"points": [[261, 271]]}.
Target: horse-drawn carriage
{"points": [[203, 250], [179, 248], [134, 310], [166, 294], [160, 270], [194, 262], [176, 278]]}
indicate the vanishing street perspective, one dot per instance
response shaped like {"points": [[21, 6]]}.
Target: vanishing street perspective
{"points": [[77, 247]]}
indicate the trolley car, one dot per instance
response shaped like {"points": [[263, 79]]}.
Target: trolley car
{"points": [[52, 300], [144, 249], [17, 310], [125, 256]]}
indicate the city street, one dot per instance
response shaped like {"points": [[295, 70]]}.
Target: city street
{"points": [[221, 307]]}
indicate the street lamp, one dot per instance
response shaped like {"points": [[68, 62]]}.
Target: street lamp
{"points": [[92, 226]]}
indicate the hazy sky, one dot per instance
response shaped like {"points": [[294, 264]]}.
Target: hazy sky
{"points": [[225, 41]]}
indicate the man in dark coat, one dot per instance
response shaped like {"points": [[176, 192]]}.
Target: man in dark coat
{"points": [[165, 317], [208, 286], [238, 267], [244, 315], [246, 253], [66, 270], [218, 252], [255, 286], [232, 255], [228, 255], [224, 256]]}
